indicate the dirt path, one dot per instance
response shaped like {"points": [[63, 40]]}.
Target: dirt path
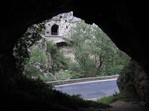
{"points": [[121, 106], [125, 106]]}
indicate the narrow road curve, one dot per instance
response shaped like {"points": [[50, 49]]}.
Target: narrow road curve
{"points": [[91, 90]]}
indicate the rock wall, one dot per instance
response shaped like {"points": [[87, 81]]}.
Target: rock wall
{"points": [[68, 52], [122, 20], [135, 81]]}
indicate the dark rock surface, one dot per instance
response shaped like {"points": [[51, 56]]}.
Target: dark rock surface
{"points": [[124, 21], [135, 81]]}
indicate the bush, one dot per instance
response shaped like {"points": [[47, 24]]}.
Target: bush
{"points": [[108, 100], [36, 64]]}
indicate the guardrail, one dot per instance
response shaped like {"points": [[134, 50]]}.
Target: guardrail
{"points": [[60, 82]]}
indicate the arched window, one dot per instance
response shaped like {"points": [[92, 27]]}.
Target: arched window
{"points": [[54, 30]]}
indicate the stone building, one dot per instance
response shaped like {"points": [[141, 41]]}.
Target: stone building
{"points": [[57, 27]]}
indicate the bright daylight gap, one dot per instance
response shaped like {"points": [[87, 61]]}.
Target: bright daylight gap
{"points": [[66, 50]]}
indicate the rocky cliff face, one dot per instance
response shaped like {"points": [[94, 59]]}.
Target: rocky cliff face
{"points": [[135, 81]]}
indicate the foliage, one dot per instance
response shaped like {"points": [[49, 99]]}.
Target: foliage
{"points": [[21, 52], [75, 70], [63, 75], [46, 63], [35, 94], [127, 82], [37, 63], [38, 54], [58, 61], [123, 96], [95, 53], [108, 99]]}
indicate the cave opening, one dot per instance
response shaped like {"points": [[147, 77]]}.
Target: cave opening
{"points": [[83, 51], [117, 19]]}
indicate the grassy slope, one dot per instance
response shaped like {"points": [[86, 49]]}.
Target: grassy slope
{"points": [[124, 96]]}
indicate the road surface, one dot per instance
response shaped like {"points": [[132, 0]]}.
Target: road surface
{"points": [[91, 90]]}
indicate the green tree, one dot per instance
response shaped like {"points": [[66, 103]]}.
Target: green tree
{"points": [[94, 51], [45, 62], [58, 61], [36, 65], [29, 38]]}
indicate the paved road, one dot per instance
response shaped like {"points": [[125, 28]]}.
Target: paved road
{"points": [[90, 90]]}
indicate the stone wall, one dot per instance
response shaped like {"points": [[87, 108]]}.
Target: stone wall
{"points": [[68, 52]]}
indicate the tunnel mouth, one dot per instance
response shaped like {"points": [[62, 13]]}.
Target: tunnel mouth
{"points": [[61, 44], [45, 51], [120, 20]]}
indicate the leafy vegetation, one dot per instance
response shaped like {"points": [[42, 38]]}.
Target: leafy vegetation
{"points": [[33, 94], [108, 99], [36, 64], [127, 82], [47, 64], [41, 60], [95, 53], [123, 96], [21, 49]]}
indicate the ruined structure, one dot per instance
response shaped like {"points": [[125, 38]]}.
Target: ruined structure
{"points": [[56, 30], [57, 27]]}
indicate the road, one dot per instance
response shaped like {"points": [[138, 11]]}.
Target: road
{"points": [[91, 90]]}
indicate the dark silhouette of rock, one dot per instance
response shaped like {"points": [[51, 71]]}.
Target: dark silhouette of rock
{"points": [[124, 21]]}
